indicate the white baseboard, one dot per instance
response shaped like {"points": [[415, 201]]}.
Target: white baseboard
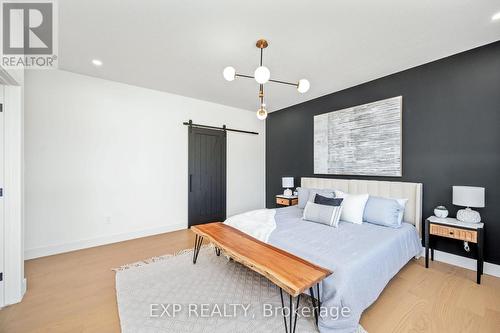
{"points": [[468, 263], [86, 243]]}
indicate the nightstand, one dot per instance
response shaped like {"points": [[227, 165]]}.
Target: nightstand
{"points": [[283, 200], [454, 229]]}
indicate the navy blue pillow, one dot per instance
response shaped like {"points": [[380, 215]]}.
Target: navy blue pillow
{"points": [[321, 200]]}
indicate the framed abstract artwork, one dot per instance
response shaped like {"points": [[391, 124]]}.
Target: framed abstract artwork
{"points": [[364, 140]]}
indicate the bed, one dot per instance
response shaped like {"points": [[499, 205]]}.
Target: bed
{"points": [[364, 257]]}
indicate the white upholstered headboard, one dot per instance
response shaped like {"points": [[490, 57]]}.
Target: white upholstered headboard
{"points": [[403, 190]]}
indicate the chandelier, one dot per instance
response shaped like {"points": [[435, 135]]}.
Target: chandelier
{"points": [[263, 75]]}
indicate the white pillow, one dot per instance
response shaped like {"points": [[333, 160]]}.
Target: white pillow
{"points": [[353, 206]]}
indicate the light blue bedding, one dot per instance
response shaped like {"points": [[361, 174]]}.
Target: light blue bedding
{"points": [[363, 257]]}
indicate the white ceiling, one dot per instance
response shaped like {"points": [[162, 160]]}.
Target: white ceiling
{"points": [[182, 46]]}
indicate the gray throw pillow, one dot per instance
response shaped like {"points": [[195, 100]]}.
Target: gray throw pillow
{"points": [[324, 214], [308, 194], [303, 194], [384, 211], [324, 193]]}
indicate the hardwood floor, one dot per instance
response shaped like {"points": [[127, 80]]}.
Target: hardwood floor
{"points": [[74, 292]]}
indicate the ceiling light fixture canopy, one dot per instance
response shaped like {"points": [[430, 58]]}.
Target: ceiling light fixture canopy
{"points": [[262, 75]]}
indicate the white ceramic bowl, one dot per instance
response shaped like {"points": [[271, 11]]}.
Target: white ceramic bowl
{"points": [[441, 212]]}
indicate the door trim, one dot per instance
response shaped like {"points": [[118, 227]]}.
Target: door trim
{"points": [[14, 282]]}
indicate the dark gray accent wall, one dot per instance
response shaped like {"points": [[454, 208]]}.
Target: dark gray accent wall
{"points": [[451, 134]]}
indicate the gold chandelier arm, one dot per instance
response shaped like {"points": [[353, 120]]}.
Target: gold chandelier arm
{"points": [[284, 82], [244, 75], [270, 80]]}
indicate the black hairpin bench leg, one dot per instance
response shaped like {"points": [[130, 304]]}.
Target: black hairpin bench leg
{"points": [[319, 297], [316, 307], [197, 246], [217, 251], [292, 314]]}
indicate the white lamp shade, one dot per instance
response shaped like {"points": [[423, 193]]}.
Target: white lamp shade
{"points": [[303, 86], [287, 182], [262, 113], [262, 74], [229, 73], [468, 196]]}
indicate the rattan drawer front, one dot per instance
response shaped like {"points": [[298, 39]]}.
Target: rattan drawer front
{"points": [[455, 233]]}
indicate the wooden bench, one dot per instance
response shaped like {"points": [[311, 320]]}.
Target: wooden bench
{"points": [[289, 272]]}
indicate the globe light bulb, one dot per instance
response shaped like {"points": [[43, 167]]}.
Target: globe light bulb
{"points": [[262, 74], [303, 86], [229, 73], [262, 112]]}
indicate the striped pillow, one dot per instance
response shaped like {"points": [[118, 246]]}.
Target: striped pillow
{"points": [[324, 214]]}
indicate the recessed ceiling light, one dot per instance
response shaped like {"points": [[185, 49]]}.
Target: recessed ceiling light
{"points": [[496, 17], [97, 62]]}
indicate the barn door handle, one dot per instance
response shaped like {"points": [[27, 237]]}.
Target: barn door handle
{"points": [[190, 183]]}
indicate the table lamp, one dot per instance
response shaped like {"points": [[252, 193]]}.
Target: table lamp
{"points": [[287, 183], [468, 196]]}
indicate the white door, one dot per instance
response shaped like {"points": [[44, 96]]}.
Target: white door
{"points": [[2, 217]]}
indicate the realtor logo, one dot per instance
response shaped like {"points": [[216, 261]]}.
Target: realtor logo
{"points": [[28, 34]]}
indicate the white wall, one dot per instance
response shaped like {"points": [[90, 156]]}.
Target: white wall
{"points": [[107, 161]]}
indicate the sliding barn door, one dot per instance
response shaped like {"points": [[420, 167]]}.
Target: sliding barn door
{"points": [[207, 176]]}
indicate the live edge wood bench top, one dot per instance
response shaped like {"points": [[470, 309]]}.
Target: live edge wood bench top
{"points": [[291, 273]]}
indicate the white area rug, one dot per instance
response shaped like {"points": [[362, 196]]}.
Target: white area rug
{"points": [[210, 297]]}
